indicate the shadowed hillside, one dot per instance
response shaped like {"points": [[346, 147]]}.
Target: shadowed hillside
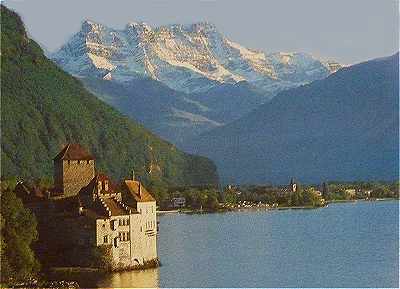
{"points": [[344, 127]]}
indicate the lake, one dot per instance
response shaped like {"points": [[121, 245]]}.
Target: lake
{"points": [[343, 245]]}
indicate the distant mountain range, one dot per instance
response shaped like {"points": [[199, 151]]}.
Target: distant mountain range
{"points": [[174, 115], [344, 127], [43, 107], [189, 58], [204, 79]]}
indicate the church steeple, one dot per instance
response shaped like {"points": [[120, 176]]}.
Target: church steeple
{"points": [[293, 185]]}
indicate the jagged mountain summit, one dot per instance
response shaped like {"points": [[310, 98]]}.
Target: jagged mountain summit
{"points": [[188, 58]]}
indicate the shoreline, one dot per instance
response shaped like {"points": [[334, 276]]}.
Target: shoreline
{"points": [[224, 210]]}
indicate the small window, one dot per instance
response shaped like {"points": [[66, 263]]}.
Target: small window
{"points": [[120, 235], [128, 237], [127, 222], [120, 222], [141, 229], [87, 162], [69, 162], [79, 162], [105, 239]]}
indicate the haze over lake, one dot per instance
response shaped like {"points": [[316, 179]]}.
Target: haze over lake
{"points": [[344, 245]]}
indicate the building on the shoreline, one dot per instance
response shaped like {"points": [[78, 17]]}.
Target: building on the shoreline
{"points": [[178, 202], [350, 193], [124, 215]]}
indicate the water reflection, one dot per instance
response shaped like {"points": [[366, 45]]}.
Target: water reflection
{"points": [[129, 279]]}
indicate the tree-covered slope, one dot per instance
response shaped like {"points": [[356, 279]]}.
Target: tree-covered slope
{"points": [[344, 127], [42, 108]]}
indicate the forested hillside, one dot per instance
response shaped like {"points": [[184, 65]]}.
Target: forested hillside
{"points": [[43, 107]]}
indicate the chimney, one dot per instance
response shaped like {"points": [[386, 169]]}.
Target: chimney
{"points": [[99, 186]]}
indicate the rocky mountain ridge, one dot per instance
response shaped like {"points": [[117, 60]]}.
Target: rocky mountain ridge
{"points": [[188, 58]]}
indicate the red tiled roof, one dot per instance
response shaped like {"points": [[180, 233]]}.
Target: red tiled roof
{"points": [[138, 191], [74, 151]]}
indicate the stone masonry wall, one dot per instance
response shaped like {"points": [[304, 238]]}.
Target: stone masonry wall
{"points": [[147, 233], [58, 175], [76, 174], [142, 244]]}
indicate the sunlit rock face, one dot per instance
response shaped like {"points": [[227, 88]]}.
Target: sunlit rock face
{"points": [[189, 58]]}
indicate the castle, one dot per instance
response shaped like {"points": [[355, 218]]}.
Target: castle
{"points": [[124, 215]]}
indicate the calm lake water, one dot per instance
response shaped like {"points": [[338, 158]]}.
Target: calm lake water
{"points": [[344, 245]]}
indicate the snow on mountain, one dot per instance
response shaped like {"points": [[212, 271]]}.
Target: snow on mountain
{"points": [[189, 58]]}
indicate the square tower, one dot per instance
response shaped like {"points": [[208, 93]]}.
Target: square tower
{"points": [[74, 168]]}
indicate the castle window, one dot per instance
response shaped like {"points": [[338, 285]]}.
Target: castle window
{"points": [[120, 235], [128, 237], [69, 162], [105, 239], [87, 162], [127, 222], [120, 222], [79, 162], [141, 229]]}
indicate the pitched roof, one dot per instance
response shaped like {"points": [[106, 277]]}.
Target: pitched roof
{"points": [[28, 192], [92, 186], [73, 151], [138, 191], [115, 208]]}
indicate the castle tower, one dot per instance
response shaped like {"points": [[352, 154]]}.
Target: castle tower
{"points": [[74, 168]]}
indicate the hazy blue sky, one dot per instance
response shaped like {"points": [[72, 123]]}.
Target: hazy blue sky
{"points": [[345, 30]]}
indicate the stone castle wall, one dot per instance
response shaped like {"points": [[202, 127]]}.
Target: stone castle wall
{"points": [[76, 175], [148, 230], [142, 244], [58, 175]]}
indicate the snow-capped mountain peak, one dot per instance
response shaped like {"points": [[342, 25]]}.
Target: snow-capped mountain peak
{"points": [[190, 58]]}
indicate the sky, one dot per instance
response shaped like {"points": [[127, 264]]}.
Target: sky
{"points": [[348, 31]]}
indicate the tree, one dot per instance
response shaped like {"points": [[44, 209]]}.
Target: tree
{"points": [[212, 202], [18, 231]]}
